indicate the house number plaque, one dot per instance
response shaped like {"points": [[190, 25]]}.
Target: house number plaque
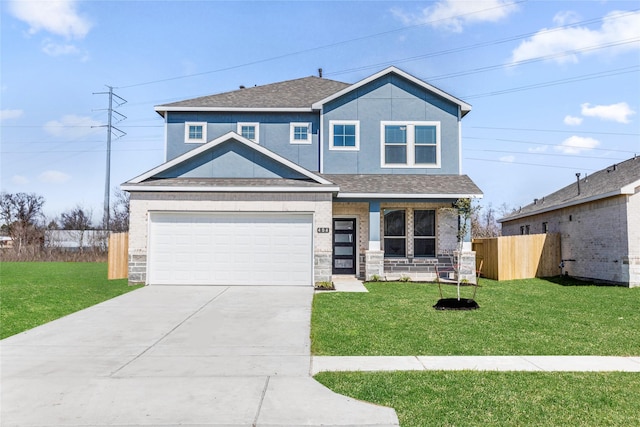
{"points": [[323, 229]]}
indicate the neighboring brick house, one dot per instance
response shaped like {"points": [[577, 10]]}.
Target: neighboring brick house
{"points": [[293, 182], [598, 218]]}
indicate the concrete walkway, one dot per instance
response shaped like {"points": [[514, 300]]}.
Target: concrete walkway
{"points": [[176, 355], [476, 363]]}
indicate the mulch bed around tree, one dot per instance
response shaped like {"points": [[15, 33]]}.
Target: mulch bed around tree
{"points": [[456, 304]]}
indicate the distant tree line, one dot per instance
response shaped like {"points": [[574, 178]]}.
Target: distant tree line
{"points": [[28, 234]]}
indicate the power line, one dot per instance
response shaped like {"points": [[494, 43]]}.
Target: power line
{"points": [[549, 145], [313, 49], [545, 165], [541, 154], [547, 130]]}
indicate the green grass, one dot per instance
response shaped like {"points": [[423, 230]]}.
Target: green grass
{"points": [[33, 293], [466, 398], [525, 317]]}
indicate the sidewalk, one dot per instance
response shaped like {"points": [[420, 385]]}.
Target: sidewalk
{"points": [[475, 363]]}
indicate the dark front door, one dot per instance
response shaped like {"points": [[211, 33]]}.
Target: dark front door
{"points": [[344, 246]]}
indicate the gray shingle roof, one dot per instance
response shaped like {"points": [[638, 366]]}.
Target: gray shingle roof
{"points": [[453, 185], [604, 183], [298, 93]]}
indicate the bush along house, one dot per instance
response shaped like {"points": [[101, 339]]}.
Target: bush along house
{"points": [[291, 183]]}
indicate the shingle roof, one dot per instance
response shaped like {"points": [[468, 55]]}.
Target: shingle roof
{"points": [[226, 182], [607, 182], [413, 185], [298, 93]]}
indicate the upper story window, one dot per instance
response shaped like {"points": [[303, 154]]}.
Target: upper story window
{"points": [[195, 132], [410, 144], [300, 133], [250, 131], [344, 135]]}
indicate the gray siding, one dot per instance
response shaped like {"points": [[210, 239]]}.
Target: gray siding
{"points": [[391, 98], [274, 133]]}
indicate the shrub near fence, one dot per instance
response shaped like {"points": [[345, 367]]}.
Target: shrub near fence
{"points": [[519, 257], [118, 256]]}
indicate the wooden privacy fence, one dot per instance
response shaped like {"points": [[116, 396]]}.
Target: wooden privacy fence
{"points": [[118, 256], [519, 257]]}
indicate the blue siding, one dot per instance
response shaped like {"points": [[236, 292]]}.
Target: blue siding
{"points": [[231, 159], [274, 133], [389, 98]]}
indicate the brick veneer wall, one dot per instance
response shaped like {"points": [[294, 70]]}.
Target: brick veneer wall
{"points": [[600, 238], [141, 203]]}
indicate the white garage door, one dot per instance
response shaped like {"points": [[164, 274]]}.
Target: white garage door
{"points": [[187, 248]]}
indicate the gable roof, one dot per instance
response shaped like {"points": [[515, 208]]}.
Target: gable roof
{"points": [[149, 178], [299, 95], [464, 107], [409, 186], [617, 179], [290, 95]]}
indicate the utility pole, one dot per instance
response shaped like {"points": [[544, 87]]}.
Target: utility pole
{"points": [[111, 130]]}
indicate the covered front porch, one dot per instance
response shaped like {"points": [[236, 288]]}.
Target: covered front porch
{"points": [[392, 234]]}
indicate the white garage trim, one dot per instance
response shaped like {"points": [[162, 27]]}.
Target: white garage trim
{"points": [[230, 248]]}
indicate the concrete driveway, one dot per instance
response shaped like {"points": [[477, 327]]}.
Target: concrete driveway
{"points": [[176, 355]]}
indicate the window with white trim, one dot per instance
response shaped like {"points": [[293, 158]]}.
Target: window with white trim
{"points": [[410, 144], [250, 131], [344, 135], [195, 132], [300, 133]]}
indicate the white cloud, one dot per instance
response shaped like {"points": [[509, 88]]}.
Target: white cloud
{"points": [[58, 17], [19, 180], [54, 177], [619, 112], [577, 144], [72, 126], [452, 15], [572, 121], [56, 49], [539, 149], [616, 27], [566, 17], [508, 159], [10, 114]]}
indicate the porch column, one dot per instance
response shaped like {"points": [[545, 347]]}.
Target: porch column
{"points": [[374, 256], [374, 226]]}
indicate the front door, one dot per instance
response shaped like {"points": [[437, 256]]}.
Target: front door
{"points": [[344, 246]]}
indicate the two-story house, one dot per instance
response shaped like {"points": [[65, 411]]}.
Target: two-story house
{"points": [[293, 182]]}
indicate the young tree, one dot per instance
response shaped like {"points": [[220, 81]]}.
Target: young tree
{"points": [[22, 216]]}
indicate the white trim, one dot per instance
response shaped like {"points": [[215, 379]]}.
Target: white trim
{"points": [[459, 142], [209, 145], [228, 189], [463, 105], [166, 136], [188, 140], [321, 140], [356, 123], [292, 128], [406, 196], [411, 146], [256, 127], [161, 109]]}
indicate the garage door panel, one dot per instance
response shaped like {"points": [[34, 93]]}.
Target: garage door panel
{"points": [[227, 249]]}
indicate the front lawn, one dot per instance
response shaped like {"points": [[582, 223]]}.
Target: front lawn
{"points": [[467, 398], [33, 293], [523, 317]]}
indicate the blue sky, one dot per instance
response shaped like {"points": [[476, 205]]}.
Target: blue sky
{"points": [[554, 85]]}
